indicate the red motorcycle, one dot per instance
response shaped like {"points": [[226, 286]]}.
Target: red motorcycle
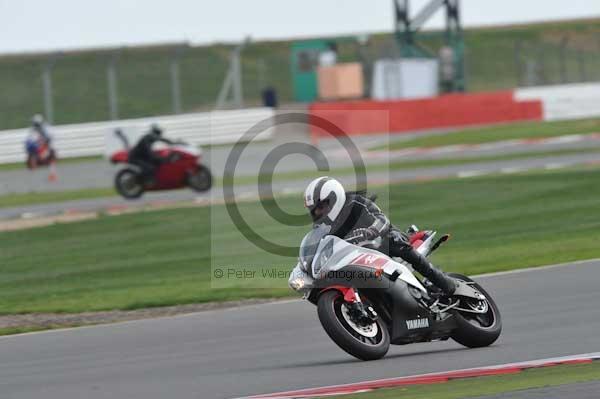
{"points": [[182, 168], [39, 154]]}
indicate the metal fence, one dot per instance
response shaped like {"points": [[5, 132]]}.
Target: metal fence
{"points": [[561, 62], [230, 94], [136, 82], [171, 79], [495, 61]]}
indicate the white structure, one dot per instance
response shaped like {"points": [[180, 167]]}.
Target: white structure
{"points": [[572, 101], [405, 78], [89, 139]]}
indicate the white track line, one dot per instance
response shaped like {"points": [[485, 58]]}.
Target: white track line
{"points": [[553, 166], [447, 149], [515, 169], [471, 173], [421, 379], [538, 268]]}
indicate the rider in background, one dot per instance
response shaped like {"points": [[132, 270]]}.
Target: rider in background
{"points": [[38, 145], [143, 156], [358, 220], [37, 138], [32, 146], [39, 126]]}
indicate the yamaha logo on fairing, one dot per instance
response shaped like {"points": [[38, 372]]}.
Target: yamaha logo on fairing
{"points": [[417, 323]]}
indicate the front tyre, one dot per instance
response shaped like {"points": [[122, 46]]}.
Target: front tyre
{"points": [[51, 156], [31, 162], [129, 183], [201, 179], [476, 330], [363, 342]]}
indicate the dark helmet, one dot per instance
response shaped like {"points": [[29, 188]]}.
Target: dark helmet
{"points": [[155, 129], [324, 198]]}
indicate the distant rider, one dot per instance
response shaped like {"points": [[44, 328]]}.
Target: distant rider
{"points": [[38, 138], [358, 220], [39, 126], [143, 156]]}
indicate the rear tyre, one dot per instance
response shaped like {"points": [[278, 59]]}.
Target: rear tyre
{"points": [[201, 180], [129, 183], [364, 343], [477, 330]]}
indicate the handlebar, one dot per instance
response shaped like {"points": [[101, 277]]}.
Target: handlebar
{"points": [[119, 133]]}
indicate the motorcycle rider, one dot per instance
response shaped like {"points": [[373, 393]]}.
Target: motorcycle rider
{"points": [[358, 220], [38, 125], [38, 146], [38, 136], [31, 146], [143, 156]]}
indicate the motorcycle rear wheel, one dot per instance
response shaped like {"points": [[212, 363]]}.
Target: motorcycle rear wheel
{"points": [[370, 344], [477, 330], [128, 183]]}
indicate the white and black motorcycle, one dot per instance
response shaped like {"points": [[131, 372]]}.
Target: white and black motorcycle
{"points": [[367, 300]]}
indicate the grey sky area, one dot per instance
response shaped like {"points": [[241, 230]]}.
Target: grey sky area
{"points": [[34, 25]]}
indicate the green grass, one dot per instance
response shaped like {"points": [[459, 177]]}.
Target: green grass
{"points": [[503, 157], [13, 200], [28, 329], [80, 89], [493, 385], [421, 163], [164, 257], [23, 199], [523, 130]]}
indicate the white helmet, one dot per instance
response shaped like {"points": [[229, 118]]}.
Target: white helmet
{"points": [[324, 197], [37, 120]]}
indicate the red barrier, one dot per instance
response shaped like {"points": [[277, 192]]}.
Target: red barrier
{"points": [[450, 110]]}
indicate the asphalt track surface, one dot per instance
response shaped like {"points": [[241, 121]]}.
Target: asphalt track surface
{"points": [[297, 185], [281, 346], [100, 173]]}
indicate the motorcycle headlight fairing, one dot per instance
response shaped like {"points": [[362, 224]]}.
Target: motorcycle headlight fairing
{"points": [[297, 284], [322, 258]]}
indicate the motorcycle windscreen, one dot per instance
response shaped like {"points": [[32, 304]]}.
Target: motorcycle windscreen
{"points": [[310, 244]]}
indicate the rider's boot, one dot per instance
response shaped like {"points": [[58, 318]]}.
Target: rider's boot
{"points": [[440, 280], [148, 176], [423, 266]]}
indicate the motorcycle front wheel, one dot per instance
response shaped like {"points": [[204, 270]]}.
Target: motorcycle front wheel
{"points": [[476, 330], [128, 184], [201, 180], [31, 162], [363, 342]]}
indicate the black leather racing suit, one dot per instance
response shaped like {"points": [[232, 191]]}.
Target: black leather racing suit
{"points": [[361, 221], [42, 131], [143, 156]]}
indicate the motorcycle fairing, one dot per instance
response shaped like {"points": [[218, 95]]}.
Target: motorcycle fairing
{"points": [[405, 312], [346, 254], [399, 295]]}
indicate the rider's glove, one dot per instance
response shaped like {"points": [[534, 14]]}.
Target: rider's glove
{"points": [[359, 236]]}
